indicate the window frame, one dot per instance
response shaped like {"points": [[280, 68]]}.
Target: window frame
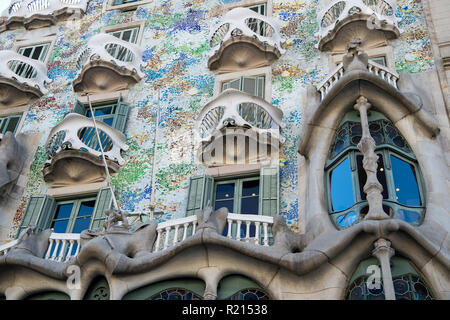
{"points": [[126, 6], [266, 72], [238, 181], [75, 210], [386, 150], [8, 119], [127, 26], [250, 3]]}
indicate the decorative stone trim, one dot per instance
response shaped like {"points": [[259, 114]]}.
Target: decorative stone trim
{"points": [[236, 27], [383, 252], [39, 13], [340, 13]]}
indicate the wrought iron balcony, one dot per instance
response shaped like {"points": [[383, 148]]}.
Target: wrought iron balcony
{"points": [[108, 64], [72, 148], [21, 79], [244, 39], [366, 16], [254, 122], [33, 14]]}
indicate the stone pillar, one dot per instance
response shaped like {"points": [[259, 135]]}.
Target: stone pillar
{"points": [[383, 252], [372, 188]]}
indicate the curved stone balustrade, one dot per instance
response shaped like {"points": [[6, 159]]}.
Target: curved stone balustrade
{"points": [[236, 114], [40, 13], [21, 79], [378, 70], [116, 63], [76, 132], [376, 14], [6, 247], [234, 41], [65, 246]]}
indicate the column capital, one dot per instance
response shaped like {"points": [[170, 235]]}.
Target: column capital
{"points": [[383, 248]]}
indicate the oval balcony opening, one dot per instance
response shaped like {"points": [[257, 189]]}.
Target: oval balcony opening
{"points": [[244, 39]]}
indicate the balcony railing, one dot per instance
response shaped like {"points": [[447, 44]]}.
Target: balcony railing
{"points": [[106, 47], [24, 70], [77, 132], [27, 8], [380, 71], [379, 14], [254, 229], [240, 23]]}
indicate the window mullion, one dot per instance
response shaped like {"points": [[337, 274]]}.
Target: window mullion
{"points": [[73, 216], [237, 196]]}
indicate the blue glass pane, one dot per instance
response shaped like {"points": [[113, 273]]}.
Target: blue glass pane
{"points": [[250, 188], [341, 186], [249, 205], [347, 219], [108, 121], [60, 226], [227, 204], [81, 224], [63, 211], [225, 191], [405, 182], [408, 216], [86, 208]]}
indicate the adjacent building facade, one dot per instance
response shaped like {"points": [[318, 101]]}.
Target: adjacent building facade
{"points": [[253, 149]]}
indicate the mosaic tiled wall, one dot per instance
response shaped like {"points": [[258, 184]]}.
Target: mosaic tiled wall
{"points": [[175, 45]]}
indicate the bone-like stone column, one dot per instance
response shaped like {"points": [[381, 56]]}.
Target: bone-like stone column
{"points": [[383, 252], [372, 188]]}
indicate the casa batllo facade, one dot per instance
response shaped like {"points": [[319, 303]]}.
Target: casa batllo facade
{"points": [[253, 149]]}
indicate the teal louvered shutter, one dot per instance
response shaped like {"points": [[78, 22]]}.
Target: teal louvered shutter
{"points": [[79, 108], [121, 115], [269, 202], [102, 203], [117, 2], [201, 190], [39, 212]]}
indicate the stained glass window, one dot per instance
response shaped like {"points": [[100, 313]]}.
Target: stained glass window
{"points": [[249, 294], [398, 173], [408, 285], [176, 294]]}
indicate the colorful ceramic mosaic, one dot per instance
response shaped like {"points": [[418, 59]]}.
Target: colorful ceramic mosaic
{"points": [[177, 80]]}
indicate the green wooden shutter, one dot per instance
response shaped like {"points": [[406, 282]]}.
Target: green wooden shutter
{"points": [[201, 190], [102, 203], [39, 212], [121, 115], [79, 108], [269, 203]]}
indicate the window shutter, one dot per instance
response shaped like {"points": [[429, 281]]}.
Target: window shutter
{"points": [[79, 108], [117, 2], [201, 190], [270, 192], [102, 203], [39, 212], [121, 115]]}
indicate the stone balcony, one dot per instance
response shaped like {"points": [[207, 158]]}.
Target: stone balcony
{"points": [[383, 73], [33, 14], [108, 64], [21, 79], [74, 154], [244, 39], [343, 20], [238, 128], [255, 229]]}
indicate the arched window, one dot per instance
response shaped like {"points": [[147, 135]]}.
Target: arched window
{"points": [[176, 289], [408, 284], [98, 290], [49, 295], [398, 172], [237, 287]]}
